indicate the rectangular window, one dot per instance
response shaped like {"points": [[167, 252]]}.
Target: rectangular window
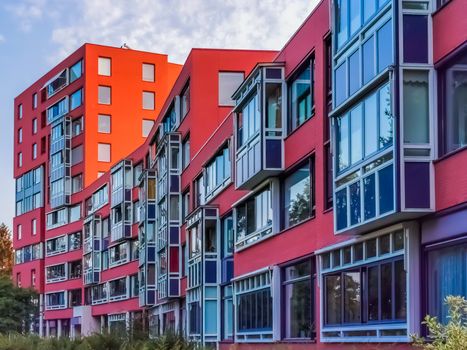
{"points": [[34, 150], [148, 72], [74, 241], [34, 101], [20, 111], [146, 127], [248, 121], [57, 83], [218, 171], [76, 71], [34, 227], [103, 152], [58, 110], [416, 110], [454, 103], [77, 155], [77, 126], [20, 159], [19, 231], [385, 42], [55, 273], [20, 135], [77, 183], [34, 126], [301, 95], [104, 66], [148, 100], [298, 194], [104, 123], [185, 204], [185, 101], [228, 83], [186, 152], [104, 95], [76, 99], [298, 291]]}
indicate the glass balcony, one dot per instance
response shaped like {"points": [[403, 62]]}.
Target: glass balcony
{"points": [[92, 245], [259, 126], [60, 163]]}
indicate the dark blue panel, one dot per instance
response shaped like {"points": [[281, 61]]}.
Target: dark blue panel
{"points": [[341, 209], [96, 277], [151, 297], [386, 190], [128, 195], [273, 154], [174, 236], [211, 272], [174, 287], [415, 39], [369, 195], [355, 211], [151, 211], [97, 244], [151, 254], [174, 183], [227, 270], [273, 73], [417, 185], [210, 212]]}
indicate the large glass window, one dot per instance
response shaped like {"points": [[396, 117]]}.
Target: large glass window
{"points": [[274, 105], [255, 311], [76, 71], [416, 111], [354, 72], [385, 56], [298, 300], [301, 95], [76, 99], [447, 275], [218, 171], [454, 103], [148, 72], [248, 121], [185, 101], [298, 195], [228, 83], [103, 66]]}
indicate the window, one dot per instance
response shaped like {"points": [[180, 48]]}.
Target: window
{"points": [[416, 110], [103, 123], [248, 121], [57, 110], [56, 246], [137, 170], [147, 126], [186, 152], [148, 72], [298, 291], [74, 297], [75, 213], [119, 254], [34, 227], [185, 101], [227, 312], [447, 271], [55, 301], [77, 126], [34, 150], [117, 289], [19, 231], [33, 277], [218, 172], [100, 198], [228, 84], [198, 195], [34, 126], [103, 152], [148, 100], [454, 103], [76, 71], [298, 189], [185, 204], [254, 304], [104, 66], [77, 155], [20, 111], [34, 101], [301, 95], [74, 241], [104, 95], [77, 183], [20, 135], [273, 95], [76, 99], [55, 273], [75, 269], [20, 159], [254, 217]]}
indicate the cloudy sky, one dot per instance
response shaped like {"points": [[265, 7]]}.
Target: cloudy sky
{"points": [[36, 34]]}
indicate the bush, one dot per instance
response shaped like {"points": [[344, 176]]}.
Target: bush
{"points": [[453, 335]]}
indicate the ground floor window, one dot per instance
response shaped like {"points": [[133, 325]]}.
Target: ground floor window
{"points": [[298, 300], [194, 318], [227, 312], [447, 275]]}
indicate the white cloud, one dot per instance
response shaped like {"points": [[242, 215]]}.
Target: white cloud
{"points": [[27, 12], [175, 26]]}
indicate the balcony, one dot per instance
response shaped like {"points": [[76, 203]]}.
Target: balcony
{"points": [[92, 249], [259, 126]]}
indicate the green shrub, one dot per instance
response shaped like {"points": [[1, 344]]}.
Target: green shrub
{"points": [[450, 336]]}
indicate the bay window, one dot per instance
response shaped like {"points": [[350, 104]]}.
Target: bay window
{"points": [[218, 172], [248, 121], [298, 194]]}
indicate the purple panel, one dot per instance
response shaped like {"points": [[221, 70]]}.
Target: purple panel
{"points": [[173, 287], [174, 236], [151, 297], [444, 227], [273, 73], [417, 185], [273, 154], [174, 183], [128, 195], [211, 271], [211, 212], [415, 39]]}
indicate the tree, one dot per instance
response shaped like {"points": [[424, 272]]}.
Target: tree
{"points": [[6, 251], [450, 336], [18, 307]]}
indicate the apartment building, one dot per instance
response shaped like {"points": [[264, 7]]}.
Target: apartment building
{"points": [[308, 198], [68, 126]]}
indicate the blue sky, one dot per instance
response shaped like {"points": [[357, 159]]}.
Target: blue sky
{"points": [[36, 34]]}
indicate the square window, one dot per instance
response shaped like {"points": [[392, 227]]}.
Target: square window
{"points": [[103, 152], [147, 126], [104, 95], [103, 123], [228, 83], [104, 64], [148, 100], [148, 72]]}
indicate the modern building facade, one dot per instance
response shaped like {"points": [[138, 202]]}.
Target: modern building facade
{"points": [[306, 198]]}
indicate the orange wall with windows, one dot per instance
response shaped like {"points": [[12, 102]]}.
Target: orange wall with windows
{"points": [[126, 106]]}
